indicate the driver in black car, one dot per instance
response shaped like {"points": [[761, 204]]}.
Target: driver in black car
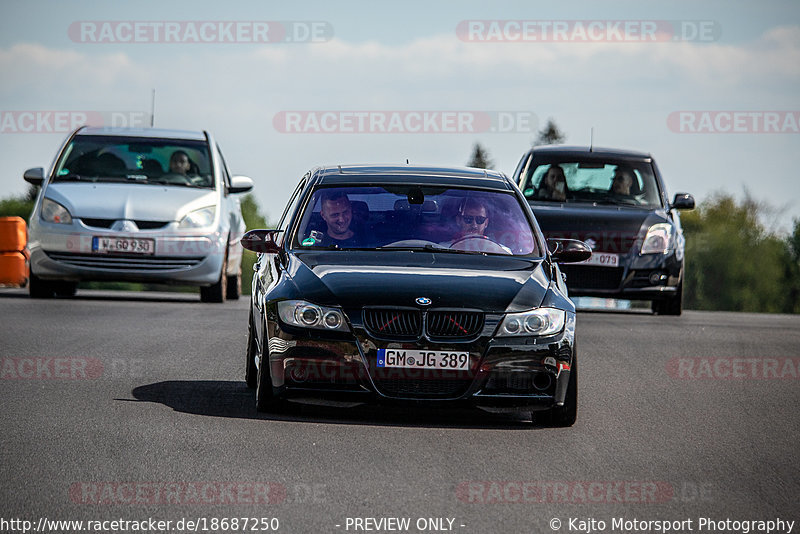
{"points": [[472, 219]]}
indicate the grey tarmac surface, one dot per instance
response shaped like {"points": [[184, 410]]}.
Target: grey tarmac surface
{"points": [[132, 405]]}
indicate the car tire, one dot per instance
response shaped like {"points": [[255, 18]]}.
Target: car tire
{"points": [[65, 289], [216, 293], [250, 370], [234, 288], [670, 306], [266, 399], [40, 289], [563, 416]]}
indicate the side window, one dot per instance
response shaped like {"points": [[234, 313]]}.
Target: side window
{"points": [[225, 175], [292, 206]]}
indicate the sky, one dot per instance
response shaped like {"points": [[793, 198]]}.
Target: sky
{"points": [[711, 89]]}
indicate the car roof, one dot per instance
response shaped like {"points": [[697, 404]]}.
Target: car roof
{"points": [[590, 152], [143, 132], [421, 174]]}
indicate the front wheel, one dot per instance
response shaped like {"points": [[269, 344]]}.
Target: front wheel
{"points": [[217, 292], [250, 370], [266, 399], [563, 416], [234, 287], [41, 289], [670, 306]]}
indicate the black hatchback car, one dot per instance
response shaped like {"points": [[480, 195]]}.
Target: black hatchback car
{"points": [[412, 283], [616, 202]]}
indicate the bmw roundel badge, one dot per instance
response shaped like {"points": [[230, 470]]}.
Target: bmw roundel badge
{"points": [[424, 301]]}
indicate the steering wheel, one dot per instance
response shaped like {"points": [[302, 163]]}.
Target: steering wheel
{"points": [[479, 243]]}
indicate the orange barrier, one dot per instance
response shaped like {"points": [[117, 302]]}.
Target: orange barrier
{"points": [[13, 234], [13, 269]]}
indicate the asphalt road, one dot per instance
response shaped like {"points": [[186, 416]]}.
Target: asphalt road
{"points": [[132, 406]]}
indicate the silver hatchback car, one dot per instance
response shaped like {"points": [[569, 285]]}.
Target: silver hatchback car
{"points": [[139, 205]]}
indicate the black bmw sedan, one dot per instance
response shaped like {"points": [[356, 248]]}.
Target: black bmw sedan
{"points": [[617, 203], [410, 283]]}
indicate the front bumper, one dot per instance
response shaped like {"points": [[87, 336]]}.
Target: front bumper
{"points": [[638, 277], [504, 374], [64, 252]]}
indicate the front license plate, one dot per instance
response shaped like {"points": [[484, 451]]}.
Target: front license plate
{"points": [[421, 359], [126, 245], [603, 259]]}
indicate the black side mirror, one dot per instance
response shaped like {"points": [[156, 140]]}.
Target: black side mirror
{"points": [[683, 201], [568, 250], [34, 176], [262, 241]]}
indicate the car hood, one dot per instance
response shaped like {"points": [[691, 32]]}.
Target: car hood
{"points": [[129, 201], [353, 279], [611, 228]]}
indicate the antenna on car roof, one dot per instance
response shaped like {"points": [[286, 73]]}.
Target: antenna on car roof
{"points": [[591, 139], [153, 109], [406, 161]]}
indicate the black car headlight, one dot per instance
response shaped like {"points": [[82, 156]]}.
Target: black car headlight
{"points": [[307, 315], [538, 322], [658, 239]]}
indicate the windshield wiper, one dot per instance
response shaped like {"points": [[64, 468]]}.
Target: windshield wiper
{"points": [[74, 177]]}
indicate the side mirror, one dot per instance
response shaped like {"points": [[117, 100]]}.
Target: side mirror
{"points": [[34, 176], [262, 241], [568, 250], [683, 201], [240, 184]]}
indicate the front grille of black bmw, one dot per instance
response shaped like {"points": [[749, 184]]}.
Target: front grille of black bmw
{"points": [[393, 323], [404, 324], [592, 277], [454, 324]]}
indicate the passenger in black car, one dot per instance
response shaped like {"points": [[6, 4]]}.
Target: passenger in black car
{"points": [[622, 182], [337, 213]]}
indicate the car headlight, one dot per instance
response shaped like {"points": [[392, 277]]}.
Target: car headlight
{"points": [[199, 218], [55, 213], [306, 315], [658, 239], [538, 322]]}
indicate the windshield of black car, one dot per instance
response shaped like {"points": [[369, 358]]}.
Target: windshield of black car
{"points": [[622, 183], [98, 158], [411, 217]]}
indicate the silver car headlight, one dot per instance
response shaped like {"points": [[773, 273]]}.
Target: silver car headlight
{"points": [[538, 322], [54, 212], [199, 218], [658, 239], [306, 315]]}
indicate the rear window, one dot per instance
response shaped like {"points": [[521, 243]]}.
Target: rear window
{"points": [[414, 217], [602, 182], [98, 158]]}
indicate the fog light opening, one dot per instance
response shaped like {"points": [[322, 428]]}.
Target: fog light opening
{"points": [[542, 381]]}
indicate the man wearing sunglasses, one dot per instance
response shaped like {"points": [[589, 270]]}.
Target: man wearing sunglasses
{"points": [[472, 218]]}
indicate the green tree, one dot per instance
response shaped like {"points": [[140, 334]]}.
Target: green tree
{"points": [[551, 134], [19, 205], [480, 158], [732, 261], [253, 219]]}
